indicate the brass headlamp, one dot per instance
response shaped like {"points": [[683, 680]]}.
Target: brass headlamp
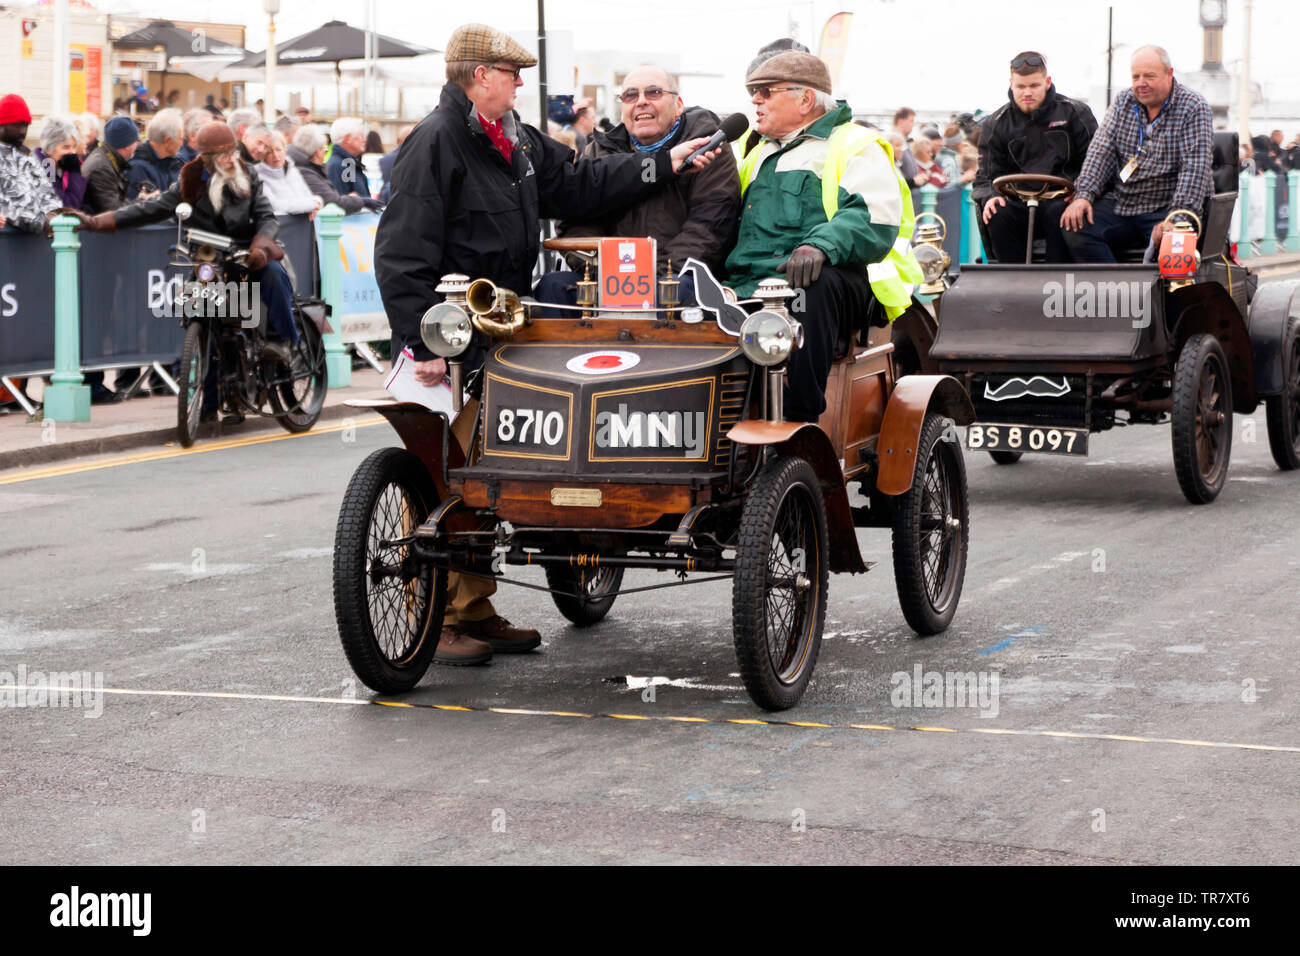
{"points": [[928, 248]]}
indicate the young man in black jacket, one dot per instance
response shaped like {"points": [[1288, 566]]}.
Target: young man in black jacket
{"points": [[1038, 131], [469, 188]]}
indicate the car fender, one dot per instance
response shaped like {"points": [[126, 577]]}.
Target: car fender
{"points": [[808, 441], [1269, 310], [900, 433], [425, 433]]}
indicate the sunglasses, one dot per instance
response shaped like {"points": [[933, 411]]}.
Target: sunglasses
{"points": [[652, 93], [765, 92], [1028, 59], [501, 69]]}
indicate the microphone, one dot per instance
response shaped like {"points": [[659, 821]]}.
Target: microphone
{"points": [[733, 127]]}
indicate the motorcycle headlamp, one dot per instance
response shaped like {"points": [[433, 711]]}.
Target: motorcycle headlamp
{"points": [[446, 330], [768, 338], [206, 272]]}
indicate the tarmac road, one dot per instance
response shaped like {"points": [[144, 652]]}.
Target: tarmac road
{"points": [[1102, 601]]}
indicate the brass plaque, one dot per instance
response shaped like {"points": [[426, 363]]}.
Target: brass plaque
{"points": [[575, 497]]}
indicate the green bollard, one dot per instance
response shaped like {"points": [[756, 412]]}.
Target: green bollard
{"points": [[67, 399], [929, 198], [338, 361], [1293, 198], [1243, 216], [1268, 245], [972, 245]]}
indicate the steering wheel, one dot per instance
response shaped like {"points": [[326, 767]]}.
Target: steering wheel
{"points": [[1016, 186]]}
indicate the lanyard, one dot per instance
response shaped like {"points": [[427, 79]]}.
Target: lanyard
{"points": [[1140, 113]]}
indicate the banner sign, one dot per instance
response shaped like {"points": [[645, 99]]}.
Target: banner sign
{"points": [[126, 294], [360, 316]]}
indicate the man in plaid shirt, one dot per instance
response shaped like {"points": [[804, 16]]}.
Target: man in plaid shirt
{"points": [[1152, 154]]}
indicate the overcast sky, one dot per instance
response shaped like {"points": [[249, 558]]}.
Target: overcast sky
{"points": [[934, 55]]}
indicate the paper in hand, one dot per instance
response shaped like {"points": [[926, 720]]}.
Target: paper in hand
{"points": [[401, 384]]}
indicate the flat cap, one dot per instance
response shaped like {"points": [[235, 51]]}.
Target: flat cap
{"points": [[792, 67], [215, 137], [476, 43]]}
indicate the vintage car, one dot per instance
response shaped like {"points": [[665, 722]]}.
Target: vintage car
{"points": [[1051, 354], [649, 438]]}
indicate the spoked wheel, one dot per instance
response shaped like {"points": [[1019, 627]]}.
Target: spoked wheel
{"points": [[1006, 457], [1284, 409], [931, 532], [388, 603], [595, 590], [296, 402], [778, 601], [1202, 418], [193, 368]]}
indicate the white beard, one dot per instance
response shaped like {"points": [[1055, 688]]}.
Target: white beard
{"points": [[236, 179]]}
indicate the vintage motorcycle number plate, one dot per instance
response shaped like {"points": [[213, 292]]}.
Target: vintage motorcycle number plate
{"points": [[1031, 438]]}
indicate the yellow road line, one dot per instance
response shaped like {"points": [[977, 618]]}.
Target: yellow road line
{"points": [[6, 689], [173, 451]]}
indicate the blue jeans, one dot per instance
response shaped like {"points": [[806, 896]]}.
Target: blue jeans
{"points": [[1108, 231], [276, 292]]}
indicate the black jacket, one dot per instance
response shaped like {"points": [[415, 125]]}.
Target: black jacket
{"points": [[1053, 139], [148, 168], [319, 183], [458, 206], [105, 171], [241, 219], [694, 216]]}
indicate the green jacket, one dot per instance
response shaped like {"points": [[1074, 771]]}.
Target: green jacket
{"points": [[782, 207]]}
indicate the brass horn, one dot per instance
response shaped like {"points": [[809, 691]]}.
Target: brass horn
{"points": [[495, 311]]}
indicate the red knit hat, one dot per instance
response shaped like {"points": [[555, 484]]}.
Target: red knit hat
{"points": [[13, 109]]}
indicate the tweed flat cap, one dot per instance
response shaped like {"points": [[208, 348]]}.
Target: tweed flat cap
{"points": [[792, 67], [476, 43]]}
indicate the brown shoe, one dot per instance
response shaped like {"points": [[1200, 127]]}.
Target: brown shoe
{"points": [[503, 638], [456, 647]]}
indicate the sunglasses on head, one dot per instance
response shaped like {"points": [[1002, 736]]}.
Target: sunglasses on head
{"points": [[652, 93], [1028, 59], [765, 92]]}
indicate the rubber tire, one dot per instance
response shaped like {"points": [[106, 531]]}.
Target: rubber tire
{"points": [[282, 397], [1283, 410], [1006, 457], [923, 614], [1196, 352], [589, 611], [778, 478], [385, 467], [187, 420]]}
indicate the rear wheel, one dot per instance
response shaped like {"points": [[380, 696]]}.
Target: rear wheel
{"points": [[1202, 418], [931, 532], [193, 368], [1284, 409], [296, 402], [778, 603], [1006, 457], [590, 592], [388, 603]]}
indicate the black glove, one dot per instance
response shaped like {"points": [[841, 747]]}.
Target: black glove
{"points": [[803, 267], [374, 205]]}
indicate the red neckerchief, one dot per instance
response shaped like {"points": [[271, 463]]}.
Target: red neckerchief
{"points": [[498, 136]]}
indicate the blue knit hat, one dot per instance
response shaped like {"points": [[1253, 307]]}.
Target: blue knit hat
{"points": [[120, 132]]}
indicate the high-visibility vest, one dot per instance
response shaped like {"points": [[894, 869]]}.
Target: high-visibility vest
{"points": [[894, 278]]}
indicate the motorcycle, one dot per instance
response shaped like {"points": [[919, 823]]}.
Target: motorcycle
{"points": [[226, 347]]}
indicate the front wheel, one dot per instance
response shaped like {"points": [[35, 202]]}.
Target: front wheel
{"points": [[193, 369], [589, 592], [778, 600], [297, 399], [932, 531], [388, 603], [1284, 410], [1202, 418]]}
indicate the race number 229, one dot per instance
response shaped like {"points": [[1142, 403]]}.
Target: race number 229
{"points": [[528, 426]]}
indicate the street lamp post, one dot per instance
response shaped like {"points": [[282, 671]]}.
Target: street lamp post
{"points": [[272, 7]]}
